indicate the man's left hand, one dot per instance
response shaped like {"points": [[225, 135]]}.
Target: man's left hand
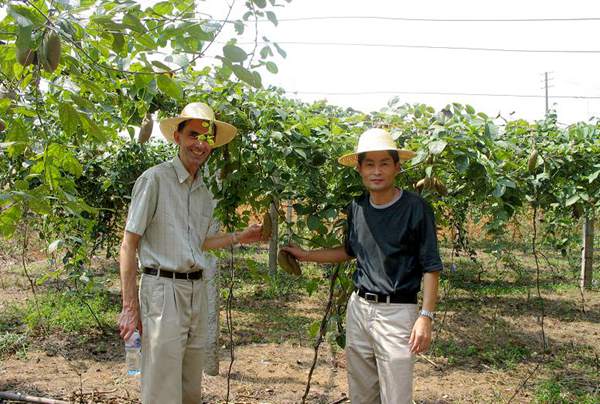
{"points": [[420, 337]]}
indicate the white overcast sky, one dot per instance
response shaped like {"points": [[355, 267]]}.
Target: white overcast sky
{"points": [[339, 69], [344, 69]]}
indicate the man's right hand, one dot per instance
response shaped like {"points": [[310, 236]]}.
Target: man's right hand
{"points": [[129, 321]]}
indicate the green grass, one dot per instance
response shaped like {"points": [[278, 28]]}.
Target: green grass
{"points": [[13, 343], [68, 312]]}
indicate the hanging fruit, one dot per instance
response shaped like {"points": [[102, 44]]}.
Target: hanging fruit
{"points": [[267, 226], [50, 51], [146, 129]]}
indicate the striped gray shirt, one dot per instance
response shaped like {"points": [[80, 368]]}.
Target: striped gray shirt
{"points": [[174, 214]]}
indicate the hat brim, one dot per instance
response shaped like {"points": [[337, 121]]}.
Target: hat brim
{"points": [[351, 159], [225, 132]]}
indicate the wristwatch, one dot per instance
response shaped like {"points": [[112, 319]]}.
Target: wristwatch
{"points": [[426, 313]]}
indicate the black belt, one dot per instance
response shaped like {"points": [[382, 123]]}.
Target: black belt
{"points": [[174, 275], [379, 298]]}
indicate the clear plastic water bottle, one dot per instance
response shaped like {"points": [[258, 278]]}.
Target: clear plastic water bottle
{"points": [[133, 353]]}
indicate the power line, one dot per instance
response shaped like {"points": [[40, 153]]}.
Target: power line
{"points": [[462, 48], [422, 19], [351, 93]]}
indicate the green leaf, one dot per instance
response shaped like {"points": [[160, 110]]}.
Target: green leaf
{"points": [[260, 3], [55, 245], [169, 86], [437, 146], [265, 52], [313, 222], [313, 329], [9, 218], [280, 50], [118, 44], [24, 16], [69, 118], [272, 17], [272, 67], [134, 23], [164, 8], [252, 78], [234, 54], [462, 163], [239, 27], [161, 65], [572, 200], [593, 176]]}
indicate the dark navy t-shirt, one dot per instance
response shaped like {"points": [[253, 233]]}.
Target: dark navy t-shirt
{"points": [[393, 246]]}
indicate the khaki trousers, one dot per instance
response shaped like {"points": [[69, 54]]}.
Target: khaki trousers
{"points": [[174, 339], [380, 365]]}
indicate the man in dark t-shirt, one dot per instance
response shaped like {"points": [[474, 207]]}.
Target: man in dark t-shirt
{"points": [[392, 235]]}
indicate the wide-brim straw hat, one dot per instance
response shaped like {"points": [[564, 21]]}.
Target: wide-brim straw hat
{"points": [[374, 140], [198, 110]]}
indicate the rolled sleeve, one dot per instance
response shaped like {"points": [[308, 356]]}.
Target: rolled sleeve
{"points": [[144, 199], [429, 256]]}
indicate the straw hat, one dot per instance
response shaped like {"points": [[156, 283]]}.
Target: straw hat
{"points": [[374, 140], [198, 110]]}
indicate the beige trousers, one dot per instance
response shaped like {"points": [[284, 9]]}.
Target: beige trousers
{"points": [[380, 365], [174, 339]]}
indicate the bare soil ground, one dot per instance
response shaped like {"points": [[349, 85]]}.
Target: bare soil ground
{"points": [[487, 349]]}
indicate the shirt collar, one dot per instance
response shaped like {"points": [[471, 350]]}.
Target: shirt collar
{"points": [[183, 175]]}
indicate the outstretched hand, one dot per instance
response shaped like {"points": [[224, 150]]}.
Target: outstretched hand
{"points": [[251, 234]]}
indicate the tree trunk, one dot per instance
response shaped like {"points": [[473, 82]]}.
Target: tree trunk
{"points": [[274, 240], [587, 254]]}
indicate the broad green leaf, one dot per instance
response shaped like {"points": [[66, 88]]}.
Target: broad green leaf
{"points": [[260, 3], [9, 218], [572, 200], [161, 65], [24, 16], [252, 78], [265, 52], [69, 118], [234, 54], [134, 23], [55, 245], [437, 146], [239, 27], [280, 50], [272, 67], [163, 8], [313, 222], [272, 17], [169, 86], [314, 328], [593, 176]]}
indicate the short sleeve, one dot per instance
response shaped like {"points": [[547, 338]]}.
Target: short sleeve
{"points": [[144, 199], [213, 227], [349, 231], [429, 256]]}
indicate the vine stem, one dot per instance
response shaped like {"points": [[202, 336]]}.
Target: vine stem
{"points": [[537, 271], [29, 278], [322, 331], [229, 320]]}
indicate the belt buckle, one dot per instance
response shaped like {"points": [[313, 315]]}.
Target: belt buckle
{"points": [[372, 297]]}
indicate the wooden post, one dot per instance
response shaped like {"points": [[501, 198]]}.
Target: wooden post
{"points": [[274, 240], [587, 253]]}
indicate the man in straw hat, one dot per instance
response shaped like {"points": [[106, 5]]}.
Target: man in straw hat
{"points": [[170, 225], [391, 233]]}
